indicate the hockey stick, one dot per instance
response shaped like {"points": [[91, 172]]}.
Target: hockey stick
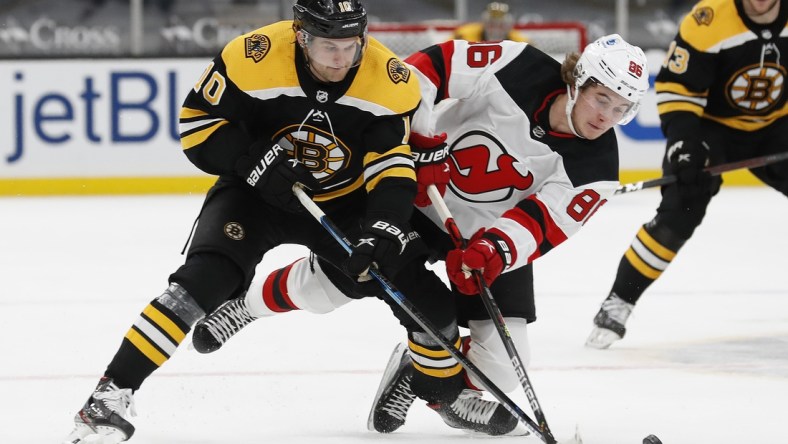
{"points": [[716, 170], [494, 312], [423, 322]]}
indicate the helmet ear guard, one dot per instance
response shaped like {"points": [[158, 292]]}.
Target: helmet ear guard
{"points": [[615, 64]]}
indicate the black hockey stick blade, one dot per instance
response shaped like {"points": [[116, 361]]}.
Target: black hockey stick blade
{"points": [[716, 170]]}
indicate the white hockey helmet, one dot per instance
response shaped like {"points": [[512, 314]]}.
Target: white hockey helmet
{"points": [[612, 62]]}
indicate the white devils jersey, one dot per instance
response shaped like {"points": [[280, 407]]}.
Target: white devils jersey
{"points": [[510, 172]]}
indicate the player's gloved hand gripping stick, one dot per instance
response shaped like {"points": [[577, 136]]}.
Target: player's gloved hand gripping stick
{"points": [[494, 312], [427, 325]]}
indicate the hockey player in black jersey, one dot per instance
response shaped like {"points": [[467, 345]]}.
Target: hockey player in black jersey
{"points": [[528, 156], [721, 98], [316, 101]]}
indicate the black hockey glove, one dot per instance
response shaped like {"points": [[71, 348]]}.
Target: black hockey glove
{"points": [[687, 158], [380, 244], [272, 172]]}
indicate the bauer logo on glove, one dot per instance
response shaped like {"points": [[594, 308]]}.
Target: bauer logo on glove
{"points": [[268, 158]]}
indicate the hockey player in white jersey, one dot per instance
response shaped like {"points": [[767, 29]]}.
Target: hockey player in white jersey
{"points": [[525, 154]]}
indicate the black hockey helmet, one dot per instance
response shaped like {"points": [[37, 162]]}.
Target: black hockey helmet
{"points": [[333, 19]]}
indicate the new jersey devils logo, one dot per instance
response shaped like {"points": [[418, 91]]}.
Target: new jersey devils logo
{"points": [[482, 170]]}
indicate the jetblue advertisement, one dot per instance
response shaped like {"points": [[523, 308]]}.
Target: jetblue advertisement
{"points": [[95, 118]]}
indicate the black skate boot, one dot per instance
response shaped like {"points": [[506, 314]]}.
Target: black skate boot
{"points": [[104, 415], [394, 396], [218, 327]]}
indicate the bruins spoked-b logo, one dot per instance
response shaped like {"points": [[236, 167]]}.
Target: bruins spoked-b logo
{"points": [[257, 46], [320, 152], [234, 231], [756, 89], [398, 72]]}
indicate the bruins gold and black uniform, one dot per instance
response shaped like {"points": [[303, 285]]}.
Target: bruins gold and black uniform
{"points": [[352, 136], [723, 81]]}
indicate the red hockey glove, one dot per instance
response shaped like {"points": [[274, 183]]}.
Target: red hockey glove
{"points": [[487, 253], [430, 155]]}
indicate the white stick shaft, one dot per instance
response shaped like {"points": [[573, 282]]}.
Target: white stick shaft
{"points": [[438, 202]]}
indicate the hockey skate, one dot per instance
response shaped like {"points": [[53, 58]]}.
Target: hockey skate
{"points": [[102, 419], [218, 327], [609, 322], [394, 396], [471, 413]]}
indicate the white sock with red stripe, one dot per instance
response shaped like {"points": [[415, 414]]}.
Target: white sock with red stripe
{"points": [[298, 286]]}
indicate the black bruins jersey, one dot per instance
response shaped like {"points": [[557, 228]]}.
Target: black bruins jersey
{"points": [[724, 67], [350, 135]]}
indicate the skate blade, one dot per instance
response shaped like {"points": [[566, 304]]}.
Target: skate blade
{"points": [[601, 338], [575, 439], [83, 434]]}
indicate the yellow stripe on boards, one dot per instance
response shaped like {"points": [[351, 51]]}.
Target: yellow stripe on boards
{"points": [[105, 186], [93, 186], [736, 178]]}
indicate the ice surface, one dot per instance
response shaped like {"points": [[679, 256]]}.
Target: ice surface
{"points": [[705, 359]]}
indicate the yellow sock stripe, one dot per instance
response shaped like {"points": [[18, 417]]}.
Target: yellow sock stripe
{"points": [[641, 266], [439, 373], [146, 347], [165, 323], [431, 353], [655, 246]]}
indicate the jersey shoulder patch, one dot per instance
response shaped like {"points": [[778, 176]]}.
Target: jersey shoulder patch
{"points": [[711, 22], [263, 58], [385, 81]]}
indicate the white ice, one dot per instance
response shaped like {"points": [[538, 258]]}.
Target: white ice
{"points": [[705, 359]]}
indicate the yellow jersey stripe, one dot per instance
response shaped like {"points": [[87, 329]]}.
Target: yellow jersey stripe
{"points": [[188, 113], [676, 88], [745, 124], [403, 150], [340, 192], [664, 108], [201, 136], [391, 172]]}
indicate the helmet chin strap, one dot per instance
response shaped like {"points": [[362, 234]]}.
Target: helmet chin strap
{"points": [[570, 105]]}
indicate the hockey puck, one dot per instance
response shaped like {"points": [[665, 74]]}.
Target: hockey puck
{"points": [[651, 439]]}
